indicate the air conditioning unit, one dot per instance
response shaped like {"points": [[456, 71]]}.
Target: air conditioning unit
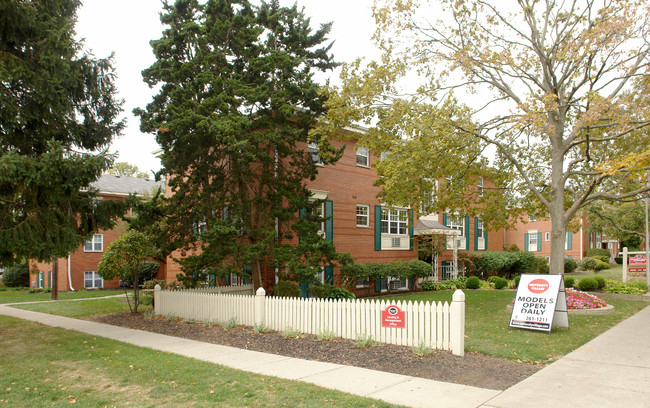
{"points": [[396, 242]]}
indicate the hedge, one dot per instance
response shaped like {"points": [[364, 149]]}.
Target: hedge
{"points": [[506, 264], [397, 269], [16, 276]]}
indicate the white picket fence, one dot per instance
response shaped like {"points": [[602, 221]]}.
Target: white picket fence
{"points": [[436, 325], [231, 290]]}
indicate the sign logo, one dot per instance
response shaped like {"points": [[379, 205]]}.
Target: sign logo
{"points": [[538, 286]]}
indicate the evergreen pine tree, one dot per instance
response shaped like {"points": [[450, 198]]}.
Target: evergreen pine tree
{"points": [[58, 114], [236, 103]]}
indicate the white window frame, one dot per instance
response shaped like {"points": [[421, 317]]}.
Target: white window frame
{"points": [[566, 240], [364, 155], [452, 222], [394, 221], [313, 149], [94, 280], [532, 234], [479, 186], [95, 244], [319, 212], [364, 217]]}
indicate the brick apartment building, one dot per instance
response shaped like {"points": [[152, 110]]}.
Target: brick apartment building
{"points": [[535, 236], [79, 269], [371, 232]]}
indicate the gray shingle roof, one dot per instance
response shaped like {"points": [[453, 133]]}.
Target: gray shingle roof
{"points": [[109, 183]]}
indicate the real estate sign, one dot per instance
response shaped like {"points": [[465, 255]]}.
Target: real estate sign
{"points": [[637, 264], [392, 316], [540, 303]]}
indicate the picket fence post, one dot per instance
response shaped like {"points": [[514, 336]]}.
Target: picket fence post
{"points": [[259, 306], [156, 299], [457, 323]]}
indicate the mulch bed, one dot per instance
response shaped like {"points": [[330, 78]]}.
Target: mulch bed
{"points": [[473, 369]]}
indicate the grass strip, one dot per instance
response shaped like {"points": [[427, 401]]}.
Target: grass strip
{"points": [[487, 331], [46, 366]]}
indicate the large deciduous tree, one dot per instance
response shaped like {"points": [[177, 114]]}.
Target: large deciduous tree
{"points": [[58, 114], [555, 91], [232, 116]]}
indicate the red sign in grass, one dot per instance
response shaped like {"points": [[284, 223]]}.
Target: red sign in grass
{"points": [[392, 316]]}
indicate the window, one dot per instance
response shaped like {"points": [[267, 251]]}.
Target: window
{"points": [[362, 157], [479, 229], [92, 280], [532, 241], [384, 155], [547, 236], [318, 212], [394, 221], [363, 213], [532, 218], [314, 153], [95, 244], [363, 283], [479, 186], [456, 222]]}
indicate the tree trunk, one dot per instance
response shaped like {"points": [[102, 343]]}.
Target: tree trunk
{"points": [[557, 213], [55, 279], [256, 275]]}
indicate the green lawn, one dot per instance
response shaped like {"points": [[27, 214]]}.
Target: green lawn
{"points": [[9, 296], [43, 366], [82, 308], [614, 273], [487, 332]]}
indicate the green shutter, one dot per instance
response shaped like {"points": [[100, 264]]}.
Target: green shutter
{"points": [[485, 238], [302, 213], [569, 241], [329, 275], [444, 270], [377, 285], [467, 233], [539, 241], [329, 221], [411, 221], [444, 219], [304, 290], [476, 233], [526, 242], [377, 229], [212, 280]]}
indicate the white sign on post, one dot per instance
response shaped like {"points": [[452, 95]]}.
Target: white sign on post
{"points": [[540, 303]]}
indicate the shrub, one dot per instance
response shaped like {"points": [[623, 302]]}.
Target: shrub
{"points": [[492, 278], [593, 252], [569, 281], [600, 265], [619, 260], [16, 276], [321, 290], [517, 279], [541, 265], [290, 332], [473, 282], [422, 350], [602, 258], [326, 335], [151, 284], [429, 286], [286, 289], [501, 283], [340, 293], [513, 248], [588, 264], [260, 329], [587, 284], [570, 265], [600, 281], [624, 288], [230, 323], [365, 341]]}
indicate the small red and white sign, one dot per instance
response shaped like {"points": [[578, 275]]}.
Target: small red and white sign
{"points": [[637, 263], [392, 316]]}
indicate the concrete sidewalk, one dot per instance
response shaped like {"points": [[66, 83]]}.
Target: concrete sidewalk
{"points": [[613, 370]]}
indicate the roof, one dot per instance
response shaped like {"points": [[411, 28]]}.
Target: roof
{"points": [[123, 185], [426, 227]]}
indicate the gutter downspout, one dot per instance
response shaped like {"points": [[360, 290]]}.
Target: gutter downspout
{"points": [[69, 275]]}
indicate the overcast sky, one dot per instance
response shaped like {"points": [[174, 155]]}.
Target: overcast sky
{"points": [[125, 27]]}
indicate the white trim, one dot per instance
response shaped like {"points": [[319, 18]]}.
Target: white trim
{"points": [[92, 243], [361, 154], [366, 215]]}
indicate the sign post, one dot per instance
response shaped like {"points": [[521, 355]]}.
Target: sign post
{"points": [[540, 303]]}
